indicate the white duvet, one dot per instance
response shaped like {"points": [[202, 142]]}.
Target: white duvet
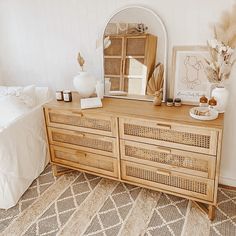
{"points": [[11, 108], [23, 152]]}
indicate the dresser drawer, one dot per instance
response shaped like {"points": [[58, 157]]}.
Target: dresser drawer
{"points": [[83, 141], [168, 158], [190, 138], [85, 161], [77, 120], [170, 181]]}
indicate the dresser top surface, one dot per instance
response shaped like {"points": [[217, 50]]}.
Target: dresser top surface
{"points": [[138, 109]]}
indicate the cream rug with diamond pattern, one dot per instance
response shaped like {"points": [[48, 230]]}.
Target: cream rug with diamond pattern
{"points": [[83, 204]]}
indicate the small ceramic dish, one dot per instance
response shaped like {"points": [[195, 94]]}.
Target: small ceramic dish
{"points": [[203, 113]]}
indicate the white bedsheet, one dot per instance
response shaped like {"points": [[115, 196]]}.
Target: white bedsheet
{"points": [[23, 155]]}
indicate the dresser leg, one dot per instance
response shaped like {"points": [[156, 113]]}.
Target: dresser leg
{"points": [[55, 171], [209, 210], [58, 170]]}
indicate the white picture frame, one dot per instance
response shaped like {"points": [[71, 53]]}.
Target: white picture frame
{"points": [[189, 79]]}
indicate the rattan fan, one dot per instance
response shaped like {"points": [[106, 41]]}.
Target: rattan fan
{"points": [[155, 81]]}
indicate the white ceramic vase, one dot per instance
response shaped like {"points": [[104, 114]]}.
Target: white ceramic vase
{"points": [[85, 84], [221, 95]]}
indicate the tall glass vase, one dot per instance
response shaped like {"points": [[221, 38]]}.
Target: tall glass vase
{"points": [[221, 94]]}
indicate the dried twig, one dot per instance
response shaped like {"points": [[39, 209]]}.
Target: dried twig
{"points": [[81, 61]]}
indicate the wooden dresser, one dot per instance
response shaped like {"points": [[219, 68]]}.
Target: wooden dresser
{"points": [[161, 148]]}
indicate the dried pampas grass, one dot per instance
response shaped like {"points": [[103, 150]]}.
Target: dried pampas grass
{"points": [[81, 61], [225, 30]]}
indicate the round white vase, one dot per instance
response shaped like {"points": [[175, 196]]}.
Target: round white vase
{"points": [[85, 84], [221, 95]]}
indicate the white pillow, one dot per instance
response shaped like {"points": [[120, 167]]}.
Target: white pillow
{"points": [[11, 107], [25, 94], [42, 95]]}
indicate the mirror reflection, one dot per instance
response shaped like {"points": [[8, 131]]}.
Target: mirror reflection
{"points": [[134, 54]]}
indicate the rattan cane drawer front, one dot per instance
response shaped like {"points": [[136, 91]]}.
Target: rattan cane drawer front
{"points": [[190, 138], [169, 181], [167, 158], [85, 161], [83, 141], [77, 120]]}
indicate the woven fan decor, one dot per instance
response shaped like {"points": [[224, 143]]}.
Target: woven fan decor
{"points": [[156, 80]]}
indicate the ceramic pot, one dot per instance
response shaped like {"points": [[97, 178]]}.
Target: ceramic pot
{"points": [[85, 84], [221, 95]]}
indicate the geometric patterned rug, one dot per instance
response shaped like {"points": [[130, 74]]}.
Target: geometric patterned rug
{"points": [[168, 217], [225, 220], [83, 204]]}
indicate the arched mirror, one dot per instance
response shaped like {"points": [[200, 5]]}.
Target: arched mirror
{"points": [[135, 54]]}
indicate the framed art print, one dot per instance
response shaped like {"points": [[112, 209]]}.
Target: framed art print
{"points": [[190, 81]]}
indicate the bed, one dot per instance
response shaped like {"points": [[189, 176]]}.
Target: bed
{"points": [[23, 147]]}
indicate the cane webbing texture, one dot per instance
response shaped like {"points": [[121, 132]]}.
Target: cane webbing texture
{"points": [[174, 181], [83, 141], [173, 136], [85, 122], [184, 161], [87, 161]]}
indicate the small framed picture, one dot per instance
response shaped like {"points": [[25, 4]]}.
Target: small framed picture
{"points": [[189, 79]]}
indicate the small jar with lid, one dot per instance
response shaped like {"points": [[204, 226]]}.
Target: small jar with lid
{"points": [[59, 95], [169, 102], [177, 102], [67, 96], [203, 102], [212, 103]]}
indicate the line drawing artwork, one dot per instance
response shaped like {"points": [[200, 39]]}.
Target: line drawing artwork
{"points": [[189, 71], [192, 66]]}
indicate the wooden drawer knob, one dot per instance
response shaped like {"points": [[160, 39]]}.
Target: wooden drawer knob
{"points": [[163, 172], [78, 113], [166, 150], [79, 134], [163, 126], [81, 153]]}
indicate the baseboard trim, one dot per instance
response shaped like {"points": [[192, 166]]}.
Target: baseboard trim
{"points": [[227, 187], [227, 181]]}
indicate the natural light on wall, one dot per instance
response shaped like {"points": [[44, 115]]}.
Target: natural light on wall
{"points": [[136, 82]]}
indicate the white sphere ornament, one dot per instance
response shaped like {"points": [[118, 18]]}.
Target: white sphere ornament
{"points": [[85, 84]]}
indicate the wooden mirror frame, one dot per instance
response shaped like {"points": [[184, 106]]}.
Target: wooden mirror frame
{"points": [[139, 97]]}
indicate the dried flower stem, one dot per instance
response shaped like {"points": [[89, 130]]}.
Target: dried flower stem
{"points": [[81, 61]]}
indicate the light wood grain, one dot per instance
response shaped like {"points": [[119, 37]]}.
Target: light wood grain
{"points": [[140, 109], [85, 161], [77, 120], [191, 149], [83, 141]]}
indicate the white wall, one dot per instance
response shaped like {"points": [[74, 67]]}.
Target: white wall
{"points": [[39, 41]]}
